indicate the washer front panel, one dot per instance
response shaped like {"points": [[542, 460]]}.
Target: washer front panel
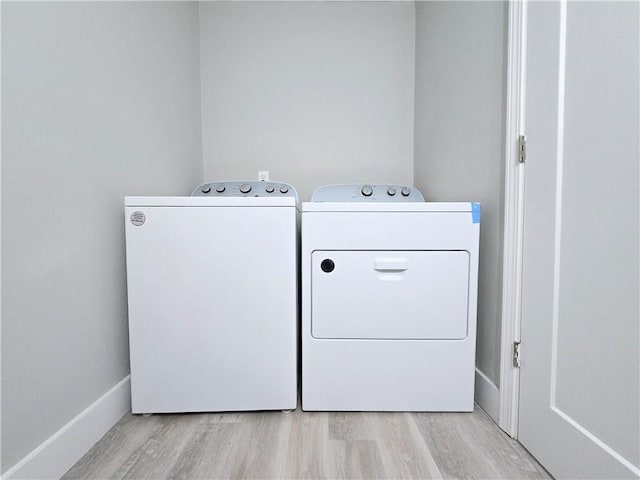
{"points": [[389, 294], [212, 307]]}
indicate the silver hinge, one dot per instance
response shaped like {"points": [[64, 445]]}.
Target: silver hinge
{"points": [[522, 148], [516, 354]]}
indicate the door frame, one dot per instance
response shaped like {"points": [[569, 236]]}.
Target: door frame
{"points": [[513, 216]]}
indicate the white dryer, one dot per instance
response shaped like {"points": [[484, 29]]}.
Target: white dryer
{"points": [[389, 293], [213, 305]]}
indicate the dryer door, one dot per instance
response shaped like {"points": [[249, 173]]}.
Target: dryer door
{"points": [[389, 294]]}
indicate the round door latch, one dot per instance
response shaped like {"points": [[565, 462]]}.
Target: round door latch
{"points": [[327, 265]]}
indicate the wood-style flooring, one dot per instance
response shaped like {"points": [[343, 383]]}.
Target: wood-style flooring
{"points": [[306, 445]]}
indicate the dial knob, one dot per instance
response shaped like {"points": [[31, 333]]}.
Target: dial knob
{"points": [[205, 188], [391, 191], [284, 189], [367, 190], [405, 192], [245, 188], [269, 188], [220, 188]]}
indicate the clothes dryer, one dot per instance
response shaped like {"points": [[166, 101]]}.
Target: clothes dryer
{"points": [[213, 306], [389, 293]]}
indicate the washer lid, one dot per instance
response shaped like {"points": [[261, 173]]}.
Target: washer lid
{"points": [[210, 201]]}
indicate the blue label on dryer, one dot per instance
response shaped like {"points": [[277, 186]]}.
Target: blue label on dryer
{"points": [[476, 212]]}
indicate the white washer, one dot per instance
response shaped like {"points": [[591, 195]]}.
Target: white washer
{"points": [[212, 286], [389, 292]]}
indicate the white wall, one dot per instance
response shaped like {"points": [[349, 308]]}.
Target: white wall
{"points": [[99, 100], [459, 135], [314, 92]]}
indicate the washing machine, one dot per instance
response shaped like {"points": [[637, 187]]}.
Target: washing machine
{"points": [[389, 293], [212, 293]]}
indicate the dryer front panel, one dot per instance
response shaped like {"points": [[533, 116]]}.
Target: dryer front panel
{"points": [[389, 295]]}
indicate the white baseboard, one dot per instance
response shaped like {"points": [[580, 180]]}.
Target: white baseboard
{"points": [[65, 447], [487, 395]]}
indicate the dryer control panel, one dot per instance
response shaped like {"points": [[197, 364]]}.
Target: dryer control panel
{"points": [[245, 189], [367, 193]]}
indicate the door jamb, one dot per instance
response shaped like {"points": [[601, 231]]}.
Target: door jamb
{"points": [[513, 216]]}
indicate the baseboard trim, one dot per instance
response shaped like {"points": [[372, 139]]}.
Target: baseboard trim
{"points": [[487, 395], [65, 447]]}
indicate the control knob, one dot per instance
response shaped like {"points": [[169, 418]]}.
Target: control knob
{"points": [[269, 188], [391, 191], [220, 188], [245, 188], [405, 192], [367, 190], [205, 188], [284, 189]]}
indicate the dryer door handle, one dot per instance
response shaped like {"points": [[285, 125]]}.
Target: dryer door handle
{"points": [[389, 264]]}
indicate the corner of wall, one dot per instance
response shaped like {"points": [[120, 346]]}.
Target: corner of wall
{"points": [[487, 395], [413, 123], [198, 7]]}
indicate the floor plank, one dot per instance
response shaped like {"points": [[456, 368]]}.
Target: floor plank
{"points": [[404, 452], [204, 456], [106, 457], [155, 458], [470, 445], [307, 445]]}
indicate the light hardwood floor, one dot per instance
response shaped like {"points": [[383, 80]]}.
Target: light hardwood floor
{"points": [[305, 445]]}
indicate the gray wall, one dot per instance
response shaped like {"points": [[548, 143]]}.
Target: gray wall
{"points": [[314, 92], [459, 134], [99, 100]]}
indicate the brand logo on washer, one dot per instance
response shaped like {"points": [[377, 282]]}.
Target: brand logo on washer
{"points": [[138, 218]]}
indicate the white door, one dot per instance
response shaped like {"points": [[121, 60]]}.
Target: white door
{"points": [[390, 294], [579, 385]]}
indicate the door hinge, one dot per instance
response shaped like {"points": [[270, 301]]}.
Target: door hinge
{"points": [[516, 354], [522, 148]]}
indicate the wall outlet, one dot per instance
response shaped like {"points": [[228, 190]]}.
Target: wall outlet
{"points": [[263, 176]]}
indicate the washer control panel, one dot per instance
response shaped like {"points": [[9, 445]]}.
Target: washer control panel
{"points": [[367, 193], [245, 189]]}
